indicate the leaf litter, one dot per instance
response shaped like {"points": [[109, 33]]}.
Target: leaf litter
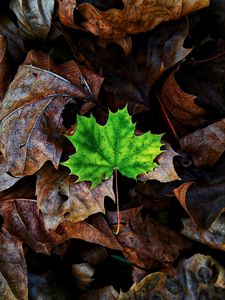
{"points": [[67, 66]]}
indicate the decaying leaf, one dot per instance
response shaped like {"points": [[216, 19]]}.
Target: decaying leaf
{"points": [[213, 237], [30, 119], [165, 171], [135, 17], [83, 274], [60, 198], [34, 17], [13, 270], [111, 147], [107, 292], [142, 242], [205, 145], [199, 277]]}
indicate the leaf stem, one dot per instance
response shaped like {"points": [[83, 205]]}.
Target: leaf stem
{"points": [[117, 203]]}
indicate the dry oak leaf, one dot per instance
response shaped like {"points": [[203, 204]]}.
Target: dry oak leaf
{"points": [[60, 198], [30, 119], [165, 171], [213, 237], [13, 269], [34, 17], [135, 17], [205, 145]]}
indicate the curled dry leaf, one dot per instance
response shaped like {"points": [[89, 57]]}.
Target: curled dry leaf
{"points": [[60, 198], [205, 145], [13, 270], [141, 239], [165, 172], [34, 17], [30, 119], [135, 17], [214, 237], [66, 13], [6, 180], [203, 203], [181, 105], [199, 277], [5, 67]]}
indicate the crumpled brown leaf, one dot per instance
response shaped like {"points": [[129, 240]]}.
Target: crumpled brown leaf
{"points": [[181, 106], [141, 239], [214, 237], [165, 172], [60, 198], [5, 67], [34, 17], [6, 180], [199, 277], [204, 203], [13, 277], [30, 118], [205, 145], [23, 220], [135, 17]]}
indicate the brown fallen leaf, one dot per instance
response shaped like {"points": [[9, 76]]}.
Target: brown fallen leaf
{"points": [[5, 67], [204, 203], [142, 242], [165, 172], [181, 105], [30, 119], [13, 270], [205, 145], [34, 17], [199, 277], [214, 237], [60, 198], [83, 274], [135, 17], [129, 79], [107, 292], [23, 220], [6, 180], [66, 13]]}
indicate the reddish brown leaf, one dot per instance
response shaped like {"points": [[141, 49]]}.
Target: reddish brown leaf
{"points": [[13, 270], [135, 17], [60, 198], [31, 124], [165, 172], [181, 105], [205, 145], [141, 239], [66, 13], [5, 67]]}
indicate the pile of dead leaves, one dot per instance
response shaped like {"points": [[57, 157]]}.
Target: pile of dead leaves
{"points": [[165, 61]]}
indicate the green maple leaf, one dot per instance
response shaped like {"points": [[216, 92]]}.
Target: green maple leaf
{"points": [[102, 149]]}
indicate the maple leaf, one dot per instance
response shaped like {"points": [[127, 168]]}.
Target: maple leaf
{"points": [[102, 149]]}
